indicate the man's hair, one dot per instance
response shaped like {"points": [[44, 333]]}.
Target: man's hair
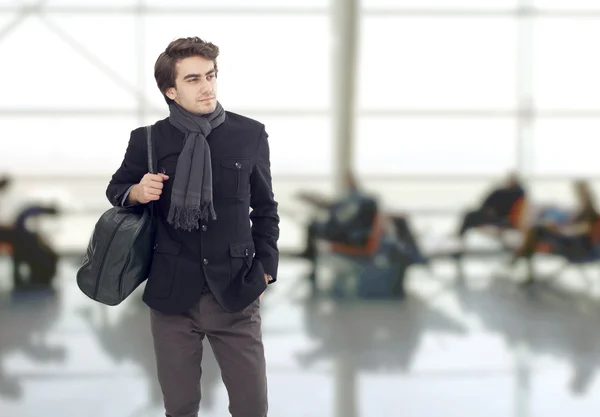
{"points": [[165, 66]]}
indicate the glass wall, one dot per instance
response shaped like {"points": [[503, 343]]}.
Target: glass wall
{"points": [[85, 78], [455, 94], [451, 94]]}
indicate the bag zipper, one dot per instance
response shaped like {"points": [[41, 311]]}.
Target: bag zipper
{"points": [[114, 232], [137, 233]]}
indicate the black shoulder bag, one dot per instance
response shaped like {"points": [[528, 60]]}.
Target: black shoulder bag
{"points": [[119, 253]]}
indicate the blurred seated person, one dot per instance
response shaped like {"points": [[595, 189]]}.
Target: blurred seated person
{"points": [[572, 238], [496, 207], [6, 232], [336, 208], [4, 182], [29, 248], [29, 212]]}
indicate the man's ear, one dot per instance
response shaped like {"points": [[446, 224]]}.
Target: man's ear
{"points": [[171, 93]]}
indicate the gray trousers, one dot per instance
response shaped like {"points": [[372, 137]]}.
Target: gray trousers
{"points": [[236, 340]]}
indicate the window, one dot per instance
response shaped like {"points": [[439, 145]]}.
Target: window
{"points": [[440, 4], [567, 4], [435, 146], [57, 76], [93, 4], [237, 4], [437, 63], [566, 70], [179, 4], [64, 144], [569, 147]]}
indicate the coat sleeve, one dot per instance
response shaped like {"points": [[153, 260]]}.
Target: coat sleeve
{"points": [[133, 167], [264, 215]]}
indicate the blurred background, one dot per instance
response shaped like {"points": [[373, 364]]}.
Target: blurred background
{"points": [[427, 105]]}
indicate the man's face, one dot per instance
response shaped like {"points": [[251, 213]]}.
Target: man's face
{"points": [[195, 85]]}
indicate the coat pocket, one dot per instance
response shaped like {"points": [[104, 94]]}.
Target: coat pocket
{"points": [[241, 258], [162, 273], [234, 176]]}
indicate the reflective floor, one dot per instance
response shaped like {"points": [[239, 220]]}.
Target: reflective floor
{"points": [[478, 347]]}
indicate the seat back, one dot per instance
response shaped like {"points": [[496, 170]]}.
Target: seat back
{"points": [[595, 233], [6, 249], [6, 240], [371, 245], [545, 247], [515, 216]]}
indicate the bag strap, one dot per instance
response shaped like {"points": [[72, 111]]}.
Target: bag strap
{"points": [[151, 164], [150, 146]]}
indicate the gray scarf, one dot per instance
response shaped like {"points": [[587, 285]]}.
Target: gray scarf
{"points": [[192, 195]]}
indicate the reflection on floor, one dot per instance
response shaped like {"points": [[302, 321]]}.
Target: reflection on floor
{"points": [[482, 348]]}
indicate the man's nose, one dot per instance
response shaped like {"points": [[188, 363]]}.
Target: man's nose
{"points": [[205, 88]]}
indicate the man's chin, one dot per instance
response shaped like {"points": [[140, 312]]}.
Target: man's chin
{"points": [[204, 109], [207, 107]]}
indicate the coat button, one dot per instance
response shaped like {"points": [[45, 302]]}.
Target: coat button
{"points": [[155, 245], [204, 228], [246, 252], [238, 165], [205, 261]]}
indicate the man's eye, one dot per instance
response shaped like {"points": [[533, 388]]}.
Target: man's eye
{"points": [[210, 77]]}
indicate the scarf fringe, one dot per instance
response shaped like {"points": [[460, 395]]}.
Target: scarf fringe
{"points": [[188, 218], [185, 218]]}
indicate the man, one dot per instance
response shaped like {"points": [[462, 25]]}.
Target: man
{"points": [[359, 227], [315, 230], [210, 265], [350, 222], [29, 248], [496, 207]]}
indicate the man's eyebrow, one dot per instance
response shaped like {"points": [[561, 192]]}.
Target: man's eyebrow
{"points": [[198, 75]]}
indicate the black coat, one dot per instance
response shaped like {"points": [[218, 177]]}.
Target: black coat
{"points": [[232, 253]]}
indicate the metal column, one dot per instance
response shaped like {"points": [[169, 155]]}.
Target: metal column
{"points": [[525, 110], [344, 14]]}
